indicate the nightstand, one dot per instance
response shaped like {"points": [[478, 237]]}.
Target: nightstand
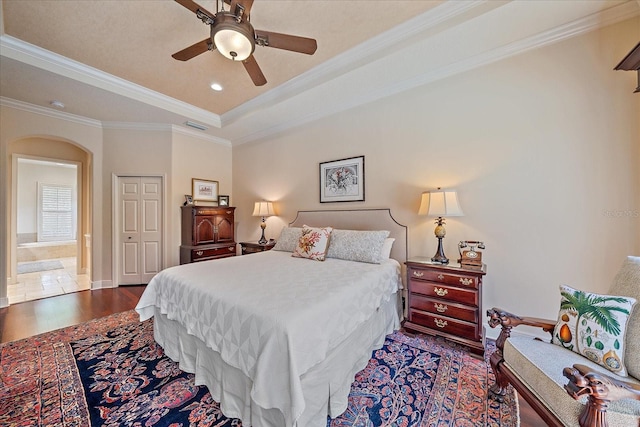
{"points": [[254, 247], [445, 300]]}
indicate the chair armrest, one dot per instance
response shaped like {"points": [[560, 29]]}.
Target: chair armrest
{"points": [[600, 388], [498, 316]]}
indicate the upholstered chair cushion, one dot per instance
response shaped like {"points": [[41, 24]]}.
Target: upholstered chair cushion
{"points": [[540, 364], [627, 283]]}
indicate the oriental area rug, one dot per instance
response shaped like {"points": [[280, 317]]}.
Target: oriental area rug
{"points": [[110, 372]]}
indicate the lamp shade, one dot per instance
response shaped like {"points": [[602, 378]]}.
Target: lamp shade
{"points": [[440, 203], [263, 209]]}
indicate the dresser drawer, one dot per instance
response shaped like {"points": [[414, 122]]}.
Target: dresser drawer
{"points": [[451, 293], [444, 308], [444, 278], [202, 254], [445, 324], [190, 254]]}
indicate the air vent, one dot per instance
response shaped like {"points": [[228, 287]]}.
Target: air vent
{"points": [[195, 125]]}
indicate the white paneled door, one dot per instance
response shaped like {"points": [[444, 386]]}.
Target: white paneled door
{"points": [[139, 233]]}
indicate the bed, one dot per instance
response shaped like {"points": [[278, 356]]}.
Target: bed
{"points": [[278, 339]]}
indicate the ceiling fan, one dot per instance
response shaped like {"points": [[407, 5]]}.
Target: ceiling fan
{"points": [[234, 37]]}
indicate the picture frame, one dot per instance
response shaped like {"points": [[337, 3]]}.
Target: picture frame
{"points": [[188, 200], [223, 200], [342, 180], [204, 190]]}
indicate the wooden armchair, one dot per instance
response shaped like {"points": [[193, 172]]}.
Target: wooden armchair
{"points": [[538, 370]]}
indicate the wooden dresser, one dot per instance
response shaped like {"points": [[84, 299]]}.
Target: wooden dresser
{"points": [[446, 300], [207, 233]]}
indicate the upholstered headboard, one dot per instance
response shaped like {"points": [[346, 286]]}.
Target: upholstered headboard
{"points": [[359, 219]]}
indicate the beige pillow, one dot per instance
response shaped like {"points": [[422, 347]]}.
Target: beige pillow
{"points": [[594, 326], [288, 239], [356, 245], [313, 243]]}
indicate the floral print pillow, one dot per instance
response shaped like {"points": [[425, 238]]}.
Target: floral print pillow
{"points": [[594, 326], [313, 243]]}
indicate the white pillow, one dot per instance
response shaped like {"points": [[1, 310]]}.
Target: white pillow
{"points": [[354, 245], [313, 243], [288, 239], [385, 253]]}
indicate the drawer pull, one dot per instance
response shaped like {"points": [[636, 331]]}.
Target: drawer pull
{"points": [[466, 281], [440, 308], [418, 273], [231, 249], [199, 253], [440, 291], [440, 323], [440, 276]]}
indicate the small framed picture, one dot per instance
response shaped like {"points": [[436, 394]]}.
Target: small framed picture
{"points": [[204, 190], [342, 180], [223, 200], [188, 200]]}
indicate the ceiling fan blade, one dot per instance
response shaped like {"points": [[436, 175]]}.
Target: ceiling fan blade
{"points": [[286, 42], [194, 50], [246, 4], [254, 71], [194, 7]]}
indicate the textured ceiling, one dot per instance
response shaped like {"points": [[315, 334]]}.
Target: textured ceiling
{"points": [[134, 40], [109, 61]]}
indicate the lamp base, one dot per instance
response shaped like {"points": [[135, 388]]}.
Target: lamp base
{"points": [[263, 240], [439, 257]]}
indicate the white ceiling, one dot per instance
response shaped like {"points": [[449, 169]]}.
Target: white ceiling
{"points": [[111, 62]]}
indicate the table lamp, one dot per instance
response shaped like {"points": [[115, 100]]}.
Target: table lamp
{"points": [[263, 209], [440, 203]]}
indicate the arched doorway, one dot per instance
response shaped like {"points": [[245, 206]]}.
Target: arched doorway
{"points": [[47, 152]]}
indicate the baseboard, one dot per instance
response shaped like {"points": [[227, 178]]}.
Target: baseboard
{"points": [[102, 284], [4, 302]]}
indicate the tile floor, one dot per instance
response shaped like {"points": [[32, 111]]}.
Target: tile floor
{"points": [[48, 283]]}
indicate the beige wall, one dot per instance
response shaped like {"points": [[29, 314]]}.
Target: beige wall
{"points": [[543, 148], [175, 155], [194, 157]]}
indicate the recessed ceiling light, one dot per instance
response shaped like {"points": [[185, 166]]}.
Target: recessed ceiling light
{"points": [[216, 87], [57, 104]]}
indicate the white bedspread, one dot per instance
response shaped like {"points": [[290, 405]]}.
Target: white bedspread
{"points": [[271, 315]]}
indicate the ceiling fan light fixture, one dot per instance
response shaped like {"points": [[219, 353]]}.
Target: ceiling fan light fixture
{"points": [[235, 40]]}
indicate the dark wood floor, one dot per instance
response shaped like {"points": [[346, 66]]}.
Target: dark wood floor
{"points": [[30, 318]]}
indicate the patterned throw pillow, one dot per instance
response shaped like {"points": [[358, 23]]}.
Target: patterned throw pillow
{"points": [[356, 245], [288, 239], [594, 326], [313, 243]]}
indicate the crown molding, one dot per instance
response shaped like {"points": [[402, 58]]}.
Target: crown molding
{"points": [[145, 127], [49, 112], [27, 53], [355, 57], [200, 135], [580, 26]]}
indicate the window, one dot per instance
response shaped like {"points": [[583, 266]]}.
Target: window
{"points": [[55, 212]]}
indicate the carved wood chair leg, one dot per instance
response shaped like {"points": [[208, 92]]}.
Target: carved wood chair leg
{"points": [[499, 389]]}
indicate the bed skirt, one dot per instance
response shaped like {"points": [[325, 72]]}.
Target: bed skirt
{"points": [[325, 387]]}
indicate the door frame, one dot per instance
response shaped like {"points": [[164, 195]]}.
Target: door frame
{"points": [[115, 239]]}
